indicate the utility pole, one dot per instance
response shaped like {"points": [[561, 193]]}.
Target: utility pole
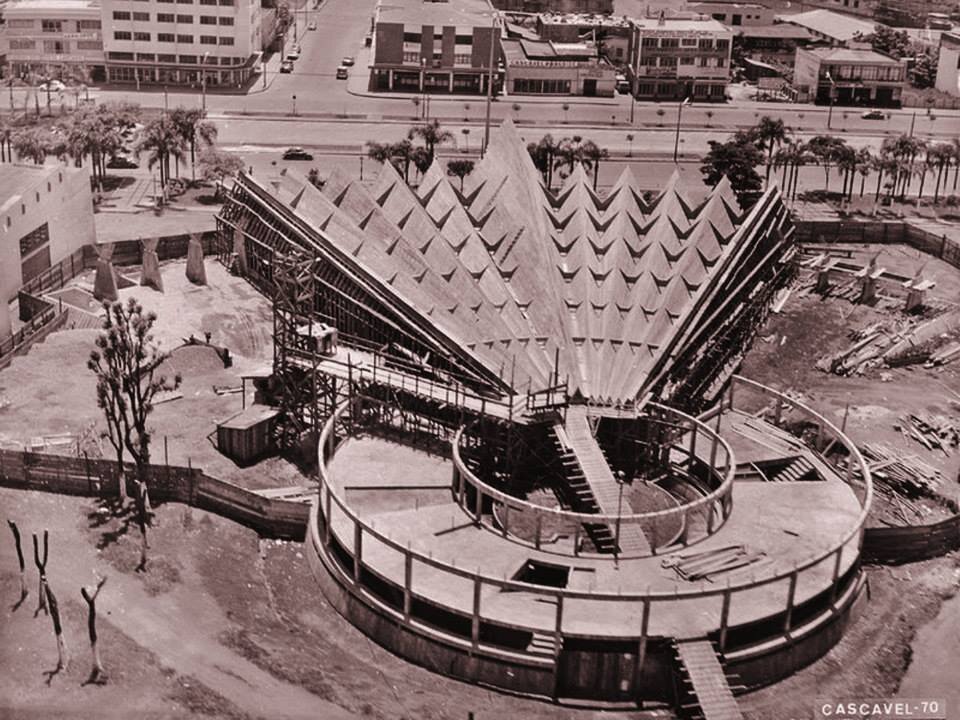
{"points": [[913, 121], [833, 85], [203, 83], [486, 124], [676, 139]]}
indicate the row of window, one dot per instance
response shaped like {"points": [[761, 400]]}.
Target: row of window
{"points": [[171, 38], [666, 61], [673, 43], [54, 25], [458, 58], [437, 37], [888, 73], [672, 89], [537, 85], [172, 18], [222, 3], [172, 59], [55, 47]]}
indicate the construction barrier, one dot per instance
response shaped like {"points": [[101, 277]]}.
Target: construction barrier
{"points": [[912, 543]]}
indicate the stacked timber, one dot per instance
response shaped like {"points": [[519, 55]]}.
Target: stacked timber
{"points": [[904, 473], [707, 564], [934, 432]]}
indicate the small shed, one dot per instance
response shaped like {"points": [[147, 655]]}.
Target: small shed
{"points": [[248, 436]]}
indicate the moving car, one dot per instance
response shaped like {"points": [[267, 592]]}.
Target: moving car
{"points": [[286, 66], [120, 162], [347, 60], [52, 86], [342, 72], [297, 153], [312, 25], [874, 115]]}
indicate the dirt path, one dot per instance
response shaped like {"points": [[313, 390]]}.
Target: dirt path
{"points": [[180, 627]]}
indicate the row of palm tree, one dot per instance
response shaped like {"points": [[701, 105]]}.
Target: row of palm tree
{"points": [[551, 156], [417, 149]]}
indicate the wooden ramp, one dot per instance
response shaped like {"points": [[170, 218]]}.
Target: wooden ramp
{"points": [[709, 694], [599, 477]]}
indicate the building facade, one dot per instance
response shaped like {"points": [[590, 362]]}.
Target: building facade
{"points": [[734, 14], [673, 59], [612, 35], [58, 39], [948, 66], [849, 76], [46, 214], [546, 68], [563, 6], [434, 48], [182, 42]]}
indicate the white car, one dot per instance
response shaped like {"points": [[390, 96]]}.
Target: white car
{"points": [[52, 86]]}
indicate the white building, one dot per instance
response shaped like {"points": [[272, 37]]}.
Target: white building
{"points": [[948, 67], [181, 42], [53, 38]]}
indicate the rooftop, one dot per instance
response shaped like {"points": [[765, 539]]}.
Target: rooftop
{"points": [[590, 19], [785, 31], [16, 179], [462, 13], [826, 22], [33, 5], [681, 24], [850, 55], [518, 51]]}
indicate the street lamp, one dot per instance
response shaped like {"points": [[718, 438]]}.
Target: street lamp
{"points": [[621, 479], [676, 140], [833, 85], [633, 97], [203, 82], [486, 122]]}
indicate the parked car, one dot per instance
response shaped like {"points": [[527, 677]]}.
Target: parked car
{"points": [[297, 153], [312, 25], [286, 66], [294, 54], [52, 86], [874, 115], [348, 60], [121, 162], [343, 72]]}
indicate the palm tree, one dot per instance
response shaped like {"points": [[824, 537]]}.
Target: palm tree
{"points": [[940, 156], [378, 151], [956, 161], [864, 164], [543, 154], [31, 144], [846, 161], [194, 130], [460, 169], [826, 149], [162, 140], [590, 156], [770, 134], [630, 140], [431, 134]]}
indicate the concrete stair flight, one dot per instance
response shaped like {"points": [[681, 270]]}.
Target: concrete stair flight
{"points": [[705, 693], [800, 468]]}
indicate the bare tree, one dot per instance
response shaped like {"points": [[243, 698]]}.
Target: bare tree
{"points": [[97, 675], [63, 656], [126, 363], [42, 569], [16, 540]]}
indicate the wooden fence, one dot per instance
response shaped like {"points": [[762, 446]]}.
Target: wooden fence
{"points": [[88, 477], [894, 545]]}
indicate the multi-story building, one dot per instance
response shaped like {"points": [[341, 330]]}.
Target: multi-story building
{"points": [[552, 68], [831, 27], [734, 14], [849, 76], [673, 59], [562, 6], [434, 47], [948, 66], [182, 42], [863, 8], [611, 34], [58, 39]]}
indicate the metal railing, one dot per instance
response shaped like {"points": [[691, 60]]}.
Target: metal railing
{"points": [[688, 523], [341, 538]]}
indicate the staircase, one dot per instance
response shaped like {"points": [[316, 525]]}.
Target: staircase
{"points": [[800, 468], [592, 487], [542, 644], [704, 692]]}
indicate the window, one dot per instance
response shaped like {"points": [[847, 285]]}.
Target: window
{"points": [[226, 3], [541, 86], [226, 21], [165, 17], [141, 36], [687, 60], [55, 47], [141, 16], [649, 60], [650, 42], [668, 62], [411, 57], [33, 240], [121, 15], [17, 44], [723, 44], [705, 44], [166, 58], [119, 56], [208, 20], [208, 39], [463, 40], [165, 37], [188, 59], [18, 23], [462, 58], [208, 2], [185, 19], [670, 43], [88, 25], [51, 26], [226, 41], [188, 39], [89, 45], [122, 35], [688, 42]]}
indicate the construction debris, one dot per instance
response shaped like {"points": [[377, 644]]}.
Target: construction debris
{"points": [[905, 474], [934, 432], [704, 565]]}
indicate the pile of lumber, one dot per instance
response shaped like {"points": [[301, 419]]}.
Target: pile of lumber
{"points": [[902, 472], [890, 344], [934, 432], [944, 355], [706, 564], [900, 510], [869, 344]]}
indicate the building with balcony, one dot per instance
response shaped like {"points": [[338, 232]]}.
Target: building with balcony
{"points": [[673, 59], [850, 76], [426, 47], [182, 42], [58, 39], [948, 66], [549, 68]]}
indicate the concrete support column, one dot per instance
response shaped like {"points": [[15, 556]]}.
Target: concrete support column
{"points": [[390, 79], [450, 83], [6, 326]]}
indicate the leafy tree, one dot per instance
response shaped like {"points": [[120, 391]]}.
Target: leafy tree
{"points": [[864, 165], [826, 150], [163, 141], [887, 40], [97, 132], [432, 135], [736, 159], [126, 363], [770, 134], [421, 158], [460, 169], [544, 153], [31, 144], [195, 131], [924, 73], [217, 165], [378, 151]]}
